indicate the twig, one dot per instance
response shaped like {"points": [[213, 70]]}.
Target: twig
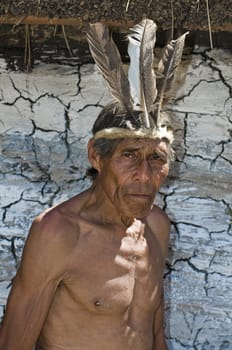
{"points": [[20, 3], [20, 21], [66, 41], [55, 30], [172, 10], [29, 48], [27, 52], [26, 45], [209, 25], [127, 5]]}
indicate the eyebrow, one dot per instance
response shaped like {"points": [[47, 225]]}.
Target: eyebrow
{"points": [[163, 154], [156, 150], [130, 149]]}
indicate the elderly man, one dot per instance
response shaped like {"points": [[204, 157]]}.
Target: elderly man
{"points": [[92, 267]]}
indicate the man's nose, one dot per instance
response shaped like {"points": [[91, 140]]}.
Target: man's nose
{"points": [[142, 171]]}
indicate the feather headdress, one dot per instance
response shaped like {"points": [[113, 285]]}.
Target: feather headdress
{"points": [[138, 97]]}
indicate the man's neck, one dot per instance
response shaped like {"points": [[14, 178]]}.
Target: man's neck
{"points": [[104, 211]]}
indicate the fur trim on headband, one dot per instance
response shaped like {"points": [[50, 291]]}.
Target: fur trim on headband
{"points": [[115, 133]]}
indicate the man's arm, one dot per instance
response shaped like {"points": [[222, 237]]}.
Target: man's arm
{"points": [[41, 270], [161, 229], [159, 337]]}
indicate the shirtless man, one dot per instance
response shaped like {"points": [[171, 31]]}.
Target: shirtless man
{"points": [[92, 268], [91, 276]]}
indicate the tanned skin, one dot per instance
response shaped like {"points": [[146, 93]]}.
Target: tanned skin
{"points": [[92, 267]]}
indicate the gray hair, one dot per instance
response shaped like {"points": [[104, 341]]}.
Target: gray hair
{"points": [[105, 148], [113, 116]]}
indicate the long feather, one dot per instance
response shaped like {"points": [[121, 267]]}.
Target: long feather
{"points": [[141, 73], [167, 68], [107, 57]]}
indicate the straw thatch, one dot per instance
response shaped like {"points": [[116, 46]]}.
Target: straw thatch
{"points": [[184, 13], [29, 26]]}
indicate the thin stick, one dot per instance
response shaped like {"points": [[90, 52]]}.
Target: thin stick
{"points": [[66, 41], [55, 29], [172, 32], [27, 52], [22, 19], [209, 25], [26, 45], [127, 5], [29, 49]]}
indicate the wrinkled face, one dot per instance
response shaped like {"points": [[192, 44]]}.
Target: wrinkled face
{"points": [[132, 176]]}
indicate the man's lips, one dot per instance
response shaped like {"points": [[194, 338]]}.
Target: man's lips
{"points": [[143, 193], [140, 194], [144, 196]]}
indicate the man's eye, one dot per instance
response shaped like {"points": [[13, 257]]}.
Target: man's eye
{"points": [[128, 155], [155, 156], [159, 157]]}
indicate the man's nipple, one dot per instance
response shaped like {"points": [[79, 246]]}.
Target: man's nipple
{"points": [[97, 303]]}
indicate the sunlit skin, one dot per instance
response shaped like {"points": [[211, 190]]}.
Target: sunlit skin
{"points": [[132, 176], [92, 267]]}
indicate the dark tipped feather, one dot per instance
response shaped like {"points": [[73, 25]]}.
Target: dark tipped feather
{"points": [[140, 92], [167, 68], [141, 73], [108, 59]]}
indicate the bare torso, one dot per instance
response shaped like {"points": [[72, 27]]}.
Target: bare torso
{"points": [[110, 292], [90, 277]]}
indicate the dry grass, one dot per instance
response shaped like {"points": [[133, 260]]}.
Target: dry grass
{"points": [[27, 51], [209, 25]]}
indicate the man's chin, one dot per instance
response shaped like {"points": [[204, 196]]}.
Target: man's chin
{"points": [[139, 212]]}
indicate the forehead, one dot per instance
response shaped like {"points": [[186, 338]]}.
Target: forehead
{"points": [[142, 144]]}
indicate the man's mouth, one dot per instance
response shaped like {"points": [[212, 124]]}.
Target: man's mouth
{"points": [[140, 193], [142, 196]]}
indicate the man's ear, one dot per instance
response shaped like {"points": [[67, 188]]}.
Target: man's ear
{"points": [[93, 156]]}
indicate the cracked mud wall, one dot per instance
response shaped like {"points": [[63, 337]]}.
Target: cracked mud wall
{"points": [[45, 121]]}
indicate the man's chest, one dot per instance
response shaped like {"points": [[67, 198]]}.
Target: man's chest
{"points": [[109, 276]]}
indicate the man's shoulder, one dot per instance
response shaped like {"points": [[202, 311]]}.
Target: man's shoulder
{"points": [[58, 224], [159, 218], [64, 213], [50, 244], [159, 224]]}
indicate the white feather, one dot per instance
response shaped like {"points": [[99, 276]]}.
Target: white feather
{"points": [[141, 73]]}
